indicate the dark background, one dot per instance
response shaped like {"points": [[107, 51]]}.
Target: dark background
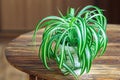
{"points": [[24, 14], [112, 8]]}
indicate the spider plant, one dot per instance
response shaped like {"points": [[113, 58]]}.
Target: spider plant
{"points": [[82, 31]]}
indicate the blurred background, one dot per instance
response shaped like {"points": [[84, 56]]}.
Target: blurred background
{"points": [[20, 16]]}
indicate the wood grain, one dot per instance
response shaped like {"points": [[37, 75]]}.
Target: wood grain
{"points": [[22, 54], [32, 77]]}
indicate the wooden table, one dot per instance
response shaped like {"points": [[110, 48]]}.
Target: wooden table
{"points": [[23, 55]]}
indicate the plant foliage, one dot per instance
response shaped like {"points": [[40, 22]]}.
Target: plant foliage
{"points": [[84, 31]]}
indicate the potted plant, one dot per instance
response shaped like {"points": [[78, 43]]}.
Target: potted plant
{"points": [[73, 40]]}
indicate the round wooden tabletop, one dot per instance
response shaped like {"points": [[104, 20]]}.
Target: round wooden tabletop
{"points": [[23, 55]]}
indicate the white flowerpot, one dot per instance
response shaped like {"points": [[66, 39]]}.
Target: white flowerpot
{"points": [[73, 51]]}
